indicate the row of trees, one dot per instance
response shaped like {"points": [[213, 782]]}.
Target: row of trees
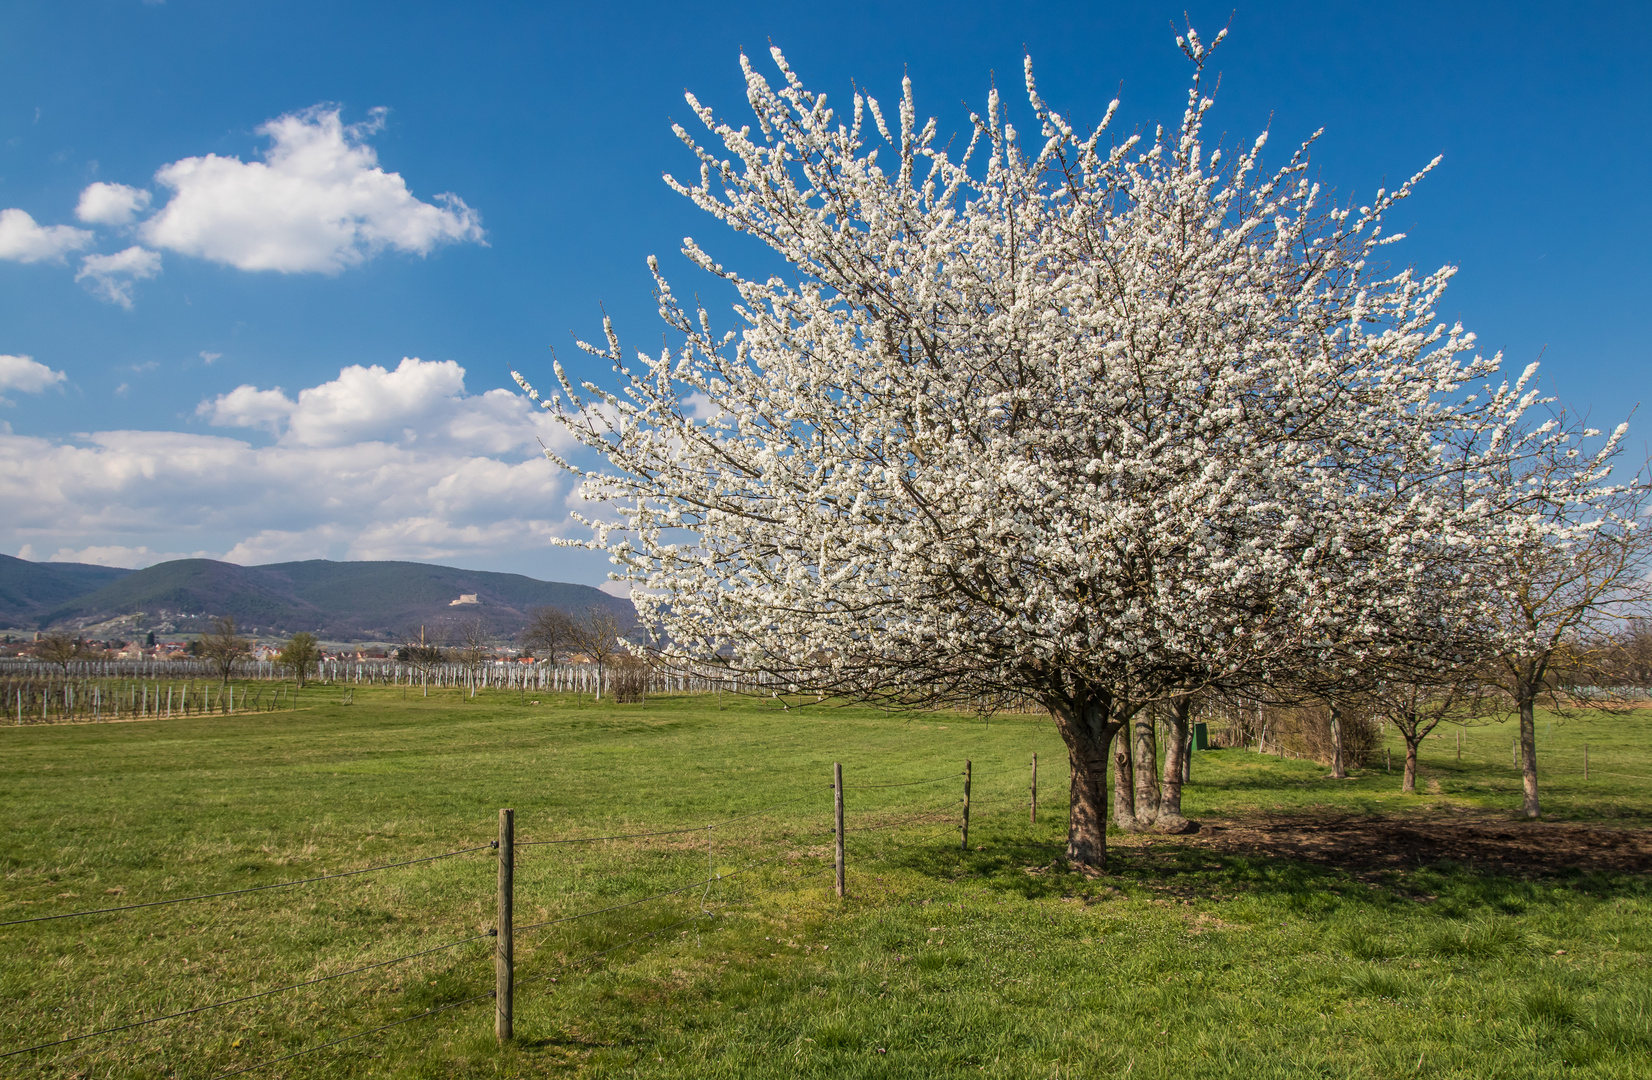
{"points": [[1117, 422]]}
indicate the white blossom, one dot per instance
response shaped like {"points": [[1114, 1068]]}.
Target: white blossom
{"points": [[1088, 418]]}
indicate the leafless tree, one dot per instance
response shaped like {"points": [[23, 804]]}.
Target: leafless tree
{"points": [[61, 649], [422, 656], [1417, 702], [596, 633], [1631, 656], [548, 633], [473, 648], [223, 646]]}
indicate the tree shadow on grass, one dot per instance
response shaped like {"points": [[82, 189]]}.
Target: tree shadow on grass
{"points": [[1315, 866]]}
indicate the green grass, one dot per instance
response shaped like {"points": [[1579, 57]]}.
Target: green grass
{"points": [[995, 961]]}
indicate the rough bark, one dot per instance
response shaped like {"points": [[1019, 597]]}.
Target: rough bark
{"points": [[1528, 754], [1124, 788], [1176, 759], [1339, 769], [1408, 786], [1145, 758], [1087, 729]]}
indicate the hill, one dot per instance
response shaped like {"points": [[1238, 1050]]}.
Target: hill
{"points": [[29, 588], [335, 600]]}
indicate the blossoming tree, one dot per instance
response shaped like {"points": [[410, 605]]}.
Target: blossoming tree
{"points": [[1089, 420]]}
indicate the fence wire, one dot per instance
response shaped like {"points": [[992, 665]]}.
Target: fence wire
{"points": [[250, 888], [351, 1038], [657, 896], [664, 832], [569, 965], [905, 783], [247, 997], [916, 818]]}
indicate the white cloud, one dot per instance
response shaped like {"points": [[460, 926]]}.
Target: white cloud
{"points": [[420, 403], [180, 491], [21, 240], [112, 275], [248, 406], [209, 357], [376, 464], [317, 202], [111, 204], [117, 555], [373, 403], [27, 375]]}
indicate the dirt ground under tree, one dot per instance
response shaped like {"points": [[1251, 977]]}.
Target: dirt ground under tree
{"points": [[1482, 842]]}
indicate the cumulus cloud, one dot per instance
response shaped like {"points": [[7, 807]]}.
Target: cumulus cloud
{"points": [[180, 491], [115, 555], [111, 276], [27, 375], [22, 240], [248, 406], [111, 204], [418, 403], [398, 463], [317, 202]]}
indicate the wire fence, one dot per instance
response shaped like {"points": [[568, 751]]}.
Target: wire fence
{"points": [[937, 816], [1498, 749]]}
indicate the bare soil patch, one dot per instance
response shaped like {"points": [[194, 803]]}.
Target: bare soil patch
{"points": [[1484, 843]]}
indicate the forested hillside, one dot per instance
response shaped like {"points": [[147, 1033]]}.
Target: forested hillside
{"points": [[337, 600]]}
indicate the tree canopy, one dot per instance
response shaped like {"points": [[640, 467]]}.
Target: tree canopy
{"points": [[1098, 420]]}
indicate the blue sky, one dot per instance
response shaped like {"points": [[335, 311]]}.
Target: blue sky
{"points": [[282, 326]]}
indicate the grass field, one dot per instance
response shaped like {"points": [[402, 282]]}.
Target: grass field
{"points": [[1186, 958]]}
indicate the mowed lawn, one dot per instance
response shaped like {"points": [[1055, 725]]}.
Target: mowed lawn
{"points": [[1187, 958]]}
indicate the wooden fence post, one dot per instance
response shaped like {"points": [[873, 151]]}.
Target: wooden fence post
{"points": [[1033, 818], [504, 957], [837, 809], [966, 805]]}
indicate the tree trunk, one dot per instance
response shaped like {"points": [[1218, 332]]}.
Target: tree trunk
{"points": [[1339, 770], [1146, 754], [1088, 731], [1528, 754], [1176, 756], [1124, 788], [1409, 785]]}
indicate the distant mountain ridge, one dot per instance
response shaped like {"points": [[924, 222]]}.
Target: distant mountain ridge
{"points": [[341, 601], [30, 588]]}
